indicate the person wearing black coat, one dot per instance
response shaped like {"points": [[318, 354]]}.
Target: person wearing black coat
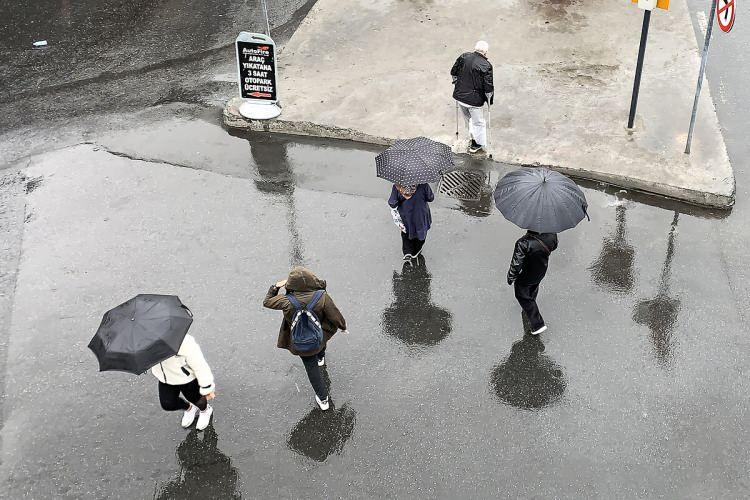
{"points": [[473, 86], [527, 270]]}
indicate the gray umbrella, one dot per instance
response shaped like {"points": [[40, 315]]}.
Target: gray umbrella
{"points": [[540, 200], [414, 161]]}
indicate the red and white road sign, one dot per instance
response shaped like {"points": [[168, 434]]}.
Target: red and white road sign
{"points": [[725, 10]]}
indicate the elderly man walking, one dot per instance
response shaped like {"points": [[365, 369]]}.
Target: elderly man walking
{"points": [[472, 78]]}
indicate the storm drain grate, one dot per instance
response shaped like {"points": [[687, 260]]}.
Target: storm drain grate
{"points": [[463, 185]]}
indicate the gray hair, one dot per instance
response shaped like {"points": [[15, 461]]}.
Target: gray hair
{"points": [[482, 47]]}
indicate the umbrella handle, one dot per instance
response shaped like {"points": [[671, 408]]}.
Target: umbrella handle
{"points": [[187, 309]]}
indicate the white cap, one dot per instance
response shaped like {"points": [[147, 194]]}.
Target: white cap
{"points": [[482, 47]]}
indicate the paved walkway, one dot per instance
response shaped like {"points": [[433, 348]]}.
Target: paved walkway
{"points": [[563, 72]]}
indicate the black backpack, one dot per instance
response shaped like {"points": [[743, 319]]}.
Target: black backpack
{"points": [[307, 333]]}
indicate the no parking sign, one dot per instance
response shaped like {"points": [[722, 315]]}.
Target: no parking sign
{"points": [[725, 11]]}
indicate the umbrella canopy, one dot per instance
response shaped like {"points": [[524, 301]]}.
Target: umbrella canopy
{"points": [[140, 333], [540, 200], [414, 161]]}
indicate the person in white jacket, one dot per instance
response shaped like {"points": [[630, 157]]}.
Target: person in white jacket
{"points": [[188, 373]]}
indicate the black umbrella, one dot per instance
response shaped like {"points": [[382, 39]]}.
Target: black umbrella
{"points": [[414, 161], [541, 200], [140, 333]]}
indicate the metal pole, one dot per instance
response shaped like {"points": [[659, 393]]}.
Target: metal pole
{"points": [[489, 127], [456, 121], [639, 67], [265, 12], [709, 28]]}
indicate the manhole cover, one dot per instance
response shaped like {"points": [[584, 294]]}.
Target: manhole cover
{"points": [[463, 185]]}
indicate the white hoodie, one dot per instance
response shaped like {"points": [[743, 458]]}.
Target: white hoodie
{"points": [[184, 367]]}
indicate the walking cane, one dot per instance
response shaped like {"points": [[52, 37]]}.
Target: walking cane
{"points": [[489, 126], [456, 121]]}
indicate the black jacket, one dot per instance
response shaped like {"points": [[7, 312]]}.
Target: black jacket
{"points": [[530, 258], [472, 74]]}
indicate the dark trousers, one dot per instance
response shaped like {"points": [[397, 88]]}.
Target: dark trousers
{"points": [[410, 247], [313, 373], [169, 396], [526, 296]]}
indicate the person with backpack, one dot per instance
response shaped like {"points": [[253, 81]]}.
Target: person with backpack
{"points": [[473, 86], [310, 320], [527, 270], [411, 214]]}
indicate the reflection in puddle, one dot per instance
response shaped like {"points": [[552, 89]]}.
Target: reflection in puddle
{"points": [[322, 433], [613, 269], [412, 318], [276, 176], [528, 379], [660, 313], [205, 472]]}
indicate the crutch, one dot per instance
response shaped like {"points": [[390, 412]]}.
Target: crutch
{"points": [[489, 127], [456, 122]]}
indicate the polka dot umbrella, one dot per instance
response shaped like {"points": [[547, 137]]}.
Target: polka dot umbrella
{"points": [[414, 161]]}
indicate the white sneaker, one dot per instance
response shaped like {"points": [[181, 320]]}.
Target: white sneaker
{"points": [[204, 418], [323, 404], [322, 361], [541, 330], [189, 416]]}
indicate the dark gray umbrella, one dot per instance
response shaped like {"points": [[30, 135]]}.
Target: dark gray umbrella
{"points": [[414, 161], [140, 333], [541, 200]]}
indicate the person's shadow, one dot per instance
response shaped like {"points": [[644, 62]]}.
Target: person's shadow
{"points": [[205, 472], [528, 379], [320, 433], [412, 318]]}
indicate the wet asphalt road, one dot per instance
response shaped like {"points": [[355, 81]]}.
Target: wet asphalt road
{"points": [[639, 389]]}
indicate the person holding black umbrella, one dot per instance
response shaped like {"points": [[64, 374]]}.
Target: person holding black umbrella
{"points": [[527, 269], [187, 373], [150, 331], [543, 202]]}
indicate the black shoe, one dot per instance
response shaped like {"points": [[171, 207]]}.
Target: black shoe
{"points": [[475, 149], [474, 144]]}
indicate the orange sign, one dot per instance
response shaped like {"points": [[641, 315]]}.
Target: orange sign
{"points": [[660, 4]]}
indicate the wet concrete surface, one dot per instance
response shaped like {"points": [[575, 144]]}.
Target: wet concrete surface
{"points": [[636, 390], [639, 388]]}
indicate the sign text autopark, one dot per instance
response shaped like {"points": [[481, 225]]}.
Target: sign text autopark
{"points": [[257, 66]]}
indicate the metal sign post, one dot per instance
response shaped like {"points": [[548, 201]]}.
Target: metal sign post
{"points": [[725, 11], [647, 6], [256, 69], [639, 67]]}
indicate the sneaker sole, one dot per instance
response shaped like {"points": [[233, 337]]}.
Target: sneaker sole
{"points": [[541, 330]]}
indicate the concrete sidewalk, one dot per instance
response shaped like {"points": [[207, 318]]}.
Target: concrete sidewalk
{"points": [[563, 74]]}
